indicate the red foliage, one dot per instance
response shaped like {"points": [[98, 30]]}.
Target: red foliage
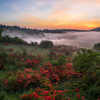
{"points": [[6, 43]]}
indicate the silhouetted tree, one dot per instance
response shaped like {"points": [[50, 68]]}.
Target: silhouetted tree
{"points": [[1, 30]]}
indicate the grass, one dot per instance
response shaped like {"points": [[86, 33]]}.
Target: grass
{"points": [[34, 50]]}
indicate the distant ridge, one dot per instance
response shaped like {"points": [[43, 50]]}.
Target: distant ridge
{"points": [[96, 29], [32, 31]]}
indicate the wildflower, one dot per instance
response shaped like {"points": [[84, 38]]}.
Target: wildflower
{"points": [[66, 90], [20, 96], [36, 95], [77, 89], [24, 96], [83, 98], [78, 95]]}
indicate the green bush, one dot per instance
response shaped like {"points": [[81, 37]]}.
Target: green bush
{"points": [[61, 61], [46, 44], [93, 93], [90, 83], [96, 46], [2, 95], [4, 57], [51, 55], [83, 61], [33, 43], [24, 51]]}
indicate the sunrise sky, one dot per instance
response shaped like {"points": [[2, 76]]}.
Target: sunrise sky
{"points": [[51, 14]]}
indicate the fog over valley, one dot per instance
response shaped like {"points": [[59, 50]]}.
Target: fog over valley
{"points": [[79, 39]]}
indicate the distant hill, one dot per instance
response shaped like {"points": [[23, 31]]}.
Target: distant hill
{"points": [[74, 30], [19, 29], [37, 31], [30, 31], [96, 29]]}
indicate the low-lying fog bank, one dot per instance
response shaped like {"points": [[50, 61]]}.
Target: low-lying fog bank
{"points": [[79, 39]]}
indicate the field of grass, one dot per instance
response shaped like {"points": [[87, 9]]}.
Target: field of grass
{"points": [[33, 73], [34, 50]]}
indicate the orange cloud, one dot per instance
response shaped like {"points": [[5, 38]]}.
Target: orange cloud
{"points": [[88, 24], [58, 18], [56, 21], [59, 10], [60, 22]]}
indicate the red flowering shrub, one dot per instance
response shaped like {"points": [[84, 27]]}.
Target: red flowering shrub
{"points": [[13, 43], [77, 89], [10, 49], [52, 55], [39, 58], [32, 63], [53, 94], [22, 79], [6, 43], [41, 94]]}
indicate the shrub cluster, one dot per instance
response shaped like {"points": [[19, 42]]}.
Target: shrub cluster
{"points": [[83, 61], [15, 40], [46, 44], [96, 46]]}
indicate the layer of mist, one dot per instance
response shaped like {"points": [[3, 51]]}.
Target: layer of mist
{"points": [[79, 39]]}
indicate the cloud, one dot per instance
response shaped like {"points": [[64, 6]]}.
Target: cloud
{"points": [[95, 17], [40, 2], [59, 23], [89, 25], [59, 11]]}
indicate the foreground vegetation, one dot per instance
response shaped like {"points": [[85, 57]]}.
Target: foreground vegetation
{"points": [[48, 73], [52, 76]]}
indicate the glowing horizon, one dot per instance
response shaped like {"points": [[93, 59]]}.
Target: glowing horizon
{"points": [[54, 14]]}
